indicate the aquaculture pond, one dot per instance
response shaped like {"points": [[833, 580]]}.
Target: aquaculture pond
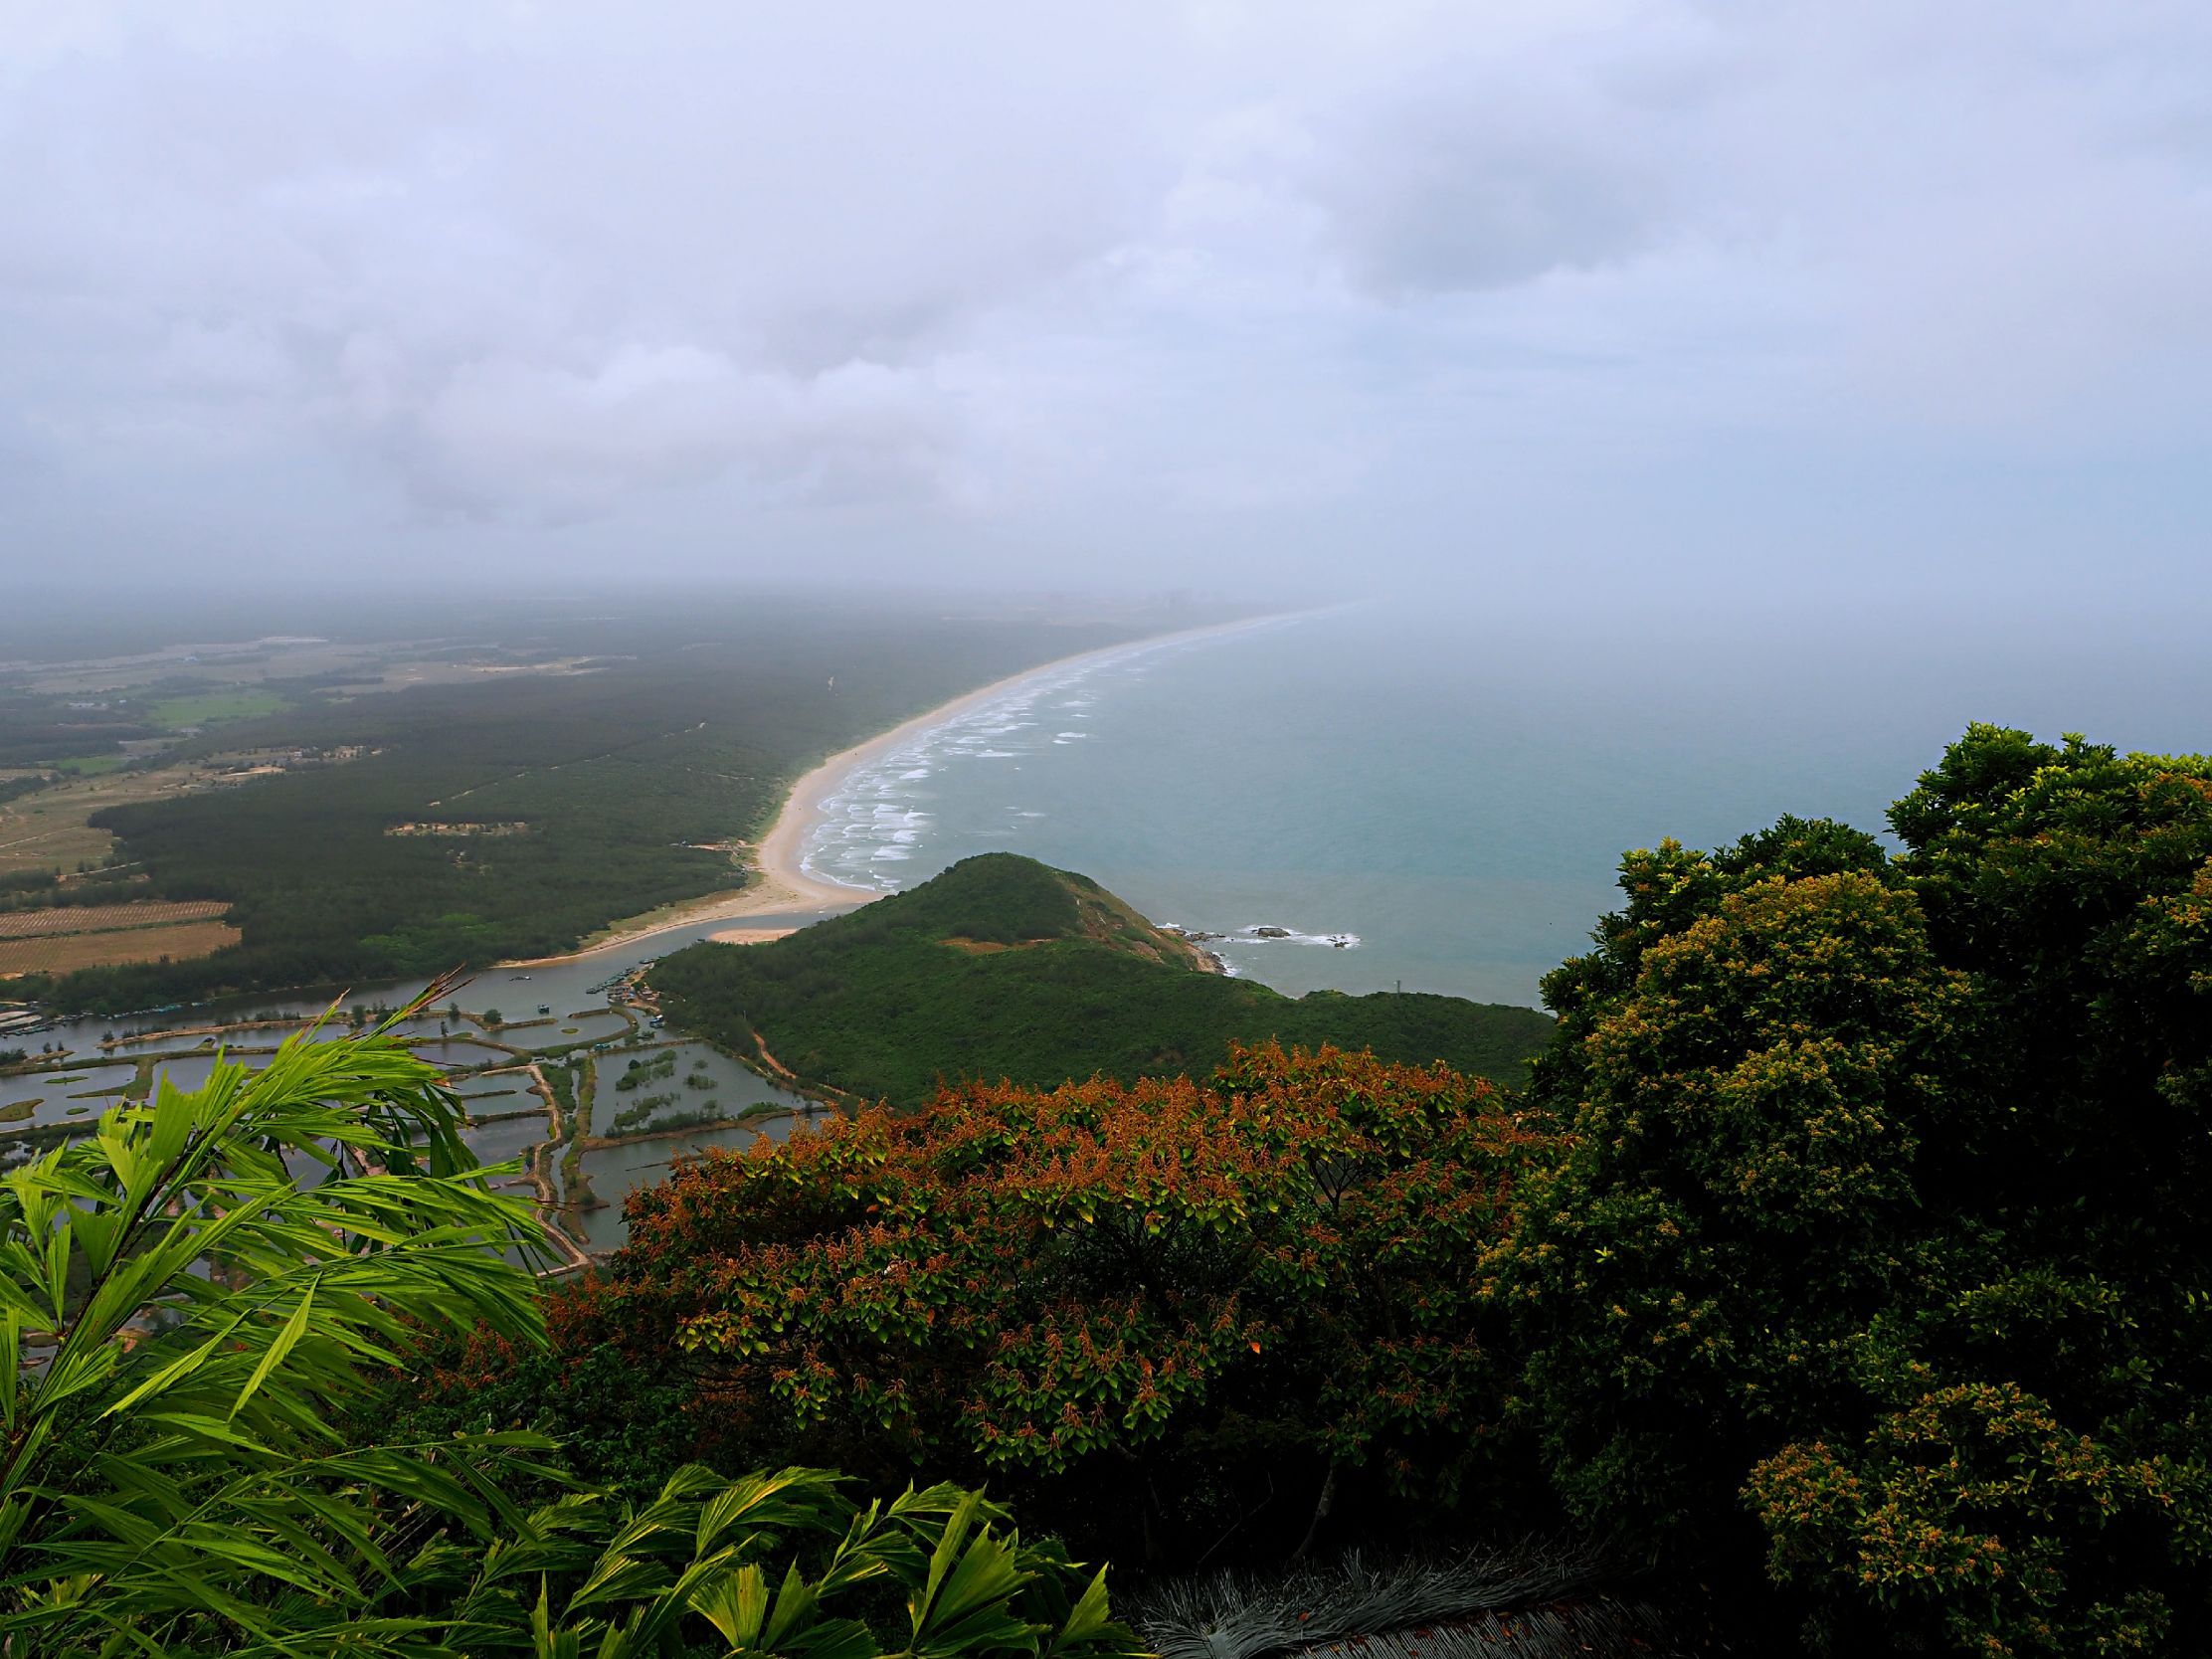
{"points": [[432, 1025], [615, 1171], [496, 1143], [490, 1093], [77, 1095], [688, 1077], [697, 1078], [190, 1072], [508, 1118], [77, 1080], [604, 1025], [639, 1091], [571, 988], [154, 1048], [456, 1053]]}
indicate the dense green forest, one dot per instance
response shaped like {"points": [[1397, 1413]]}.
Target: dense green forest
{"points": [[604, 783], [1001, 968], [35, 730]]}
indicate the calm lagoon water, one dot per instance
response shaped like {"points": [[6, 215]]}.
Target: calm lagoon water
{"points": [[80, 1093], [56, 1087], [615, 1171]]}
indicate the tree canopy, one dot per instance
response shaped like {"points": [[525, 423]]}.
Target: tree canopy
{"points": [[1137, 1309], [1883, 1221]]}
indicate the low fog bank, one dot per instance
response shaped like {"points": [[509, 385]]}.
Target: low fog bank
{"points": [[1869, 663]]}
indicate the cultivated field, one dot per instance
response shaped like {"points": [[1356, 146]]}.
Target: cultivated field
{"points": [[50, 830], [222, 703], [61, 953], [104, 918]]}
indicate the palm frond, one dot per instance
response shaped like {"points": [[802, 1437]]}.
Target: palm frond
{"points": [[190, 1296], [191, 1292]]}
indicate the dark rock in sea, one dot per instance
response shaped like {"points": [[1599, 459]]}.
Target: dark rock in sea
{"points": [[1269, 932]]}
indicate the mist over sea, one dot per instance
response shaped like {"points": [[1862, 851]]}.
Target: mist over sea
{"points": [[1452, 799]]}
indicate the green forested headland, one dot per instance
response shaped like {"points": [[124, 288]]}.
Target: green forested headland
{"points": [[1001, 968]]}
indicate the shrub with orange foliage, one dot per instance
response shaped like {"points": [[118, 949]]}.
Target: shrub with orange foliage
{"points": [[1186, 1309]]}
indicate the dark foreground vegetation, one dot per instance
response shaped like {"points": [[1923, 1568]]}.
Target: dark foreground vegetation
{"points": [[1847, 1266], [1002, 967], [1842, 1283], [188, 1313], [513, 815]]}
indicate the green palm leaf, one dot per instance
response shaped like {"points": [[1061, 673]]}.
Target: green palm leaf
{"points": [[191, 1297]]}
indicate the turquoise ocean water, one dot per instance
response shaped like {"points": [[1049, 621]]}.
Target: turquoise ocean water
{"points": [[1450, 799]]}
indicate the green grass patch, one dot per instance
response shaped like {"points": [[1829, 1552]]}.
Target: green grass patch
{"points": [[204, 708], [87, 766], [562, 1082]]}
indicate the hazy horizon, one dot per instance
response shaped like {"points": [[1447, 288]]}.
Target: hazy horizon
{"points": [[1612, 309]]}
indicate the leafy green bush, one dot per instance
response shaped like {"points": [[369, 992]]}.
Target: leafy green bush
{"points": [[1884, 1246]]}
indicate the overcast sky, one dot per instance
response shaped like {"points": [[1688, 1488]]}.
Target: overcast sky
{"points": [[1550, 297]]}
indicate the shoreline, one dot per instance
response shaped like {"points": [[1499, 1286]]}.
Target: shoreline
{"points": [[780, 883]]}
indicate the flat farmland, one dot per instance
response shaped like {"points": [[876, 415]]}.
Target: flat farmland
{"points": [[61, 953], [106, 918], [50, 829]]}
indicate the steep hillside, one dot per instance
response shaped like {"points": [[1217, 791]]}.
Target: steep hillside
{"points": [[1003, 968]]}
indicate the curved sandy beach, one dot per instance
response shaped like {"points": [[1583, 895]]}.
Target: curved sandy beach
{"points": [[779, 885]]}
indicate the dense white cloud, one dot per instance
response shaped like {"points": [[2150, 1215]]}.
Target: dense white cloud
{"points": [[1234, 280]]}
